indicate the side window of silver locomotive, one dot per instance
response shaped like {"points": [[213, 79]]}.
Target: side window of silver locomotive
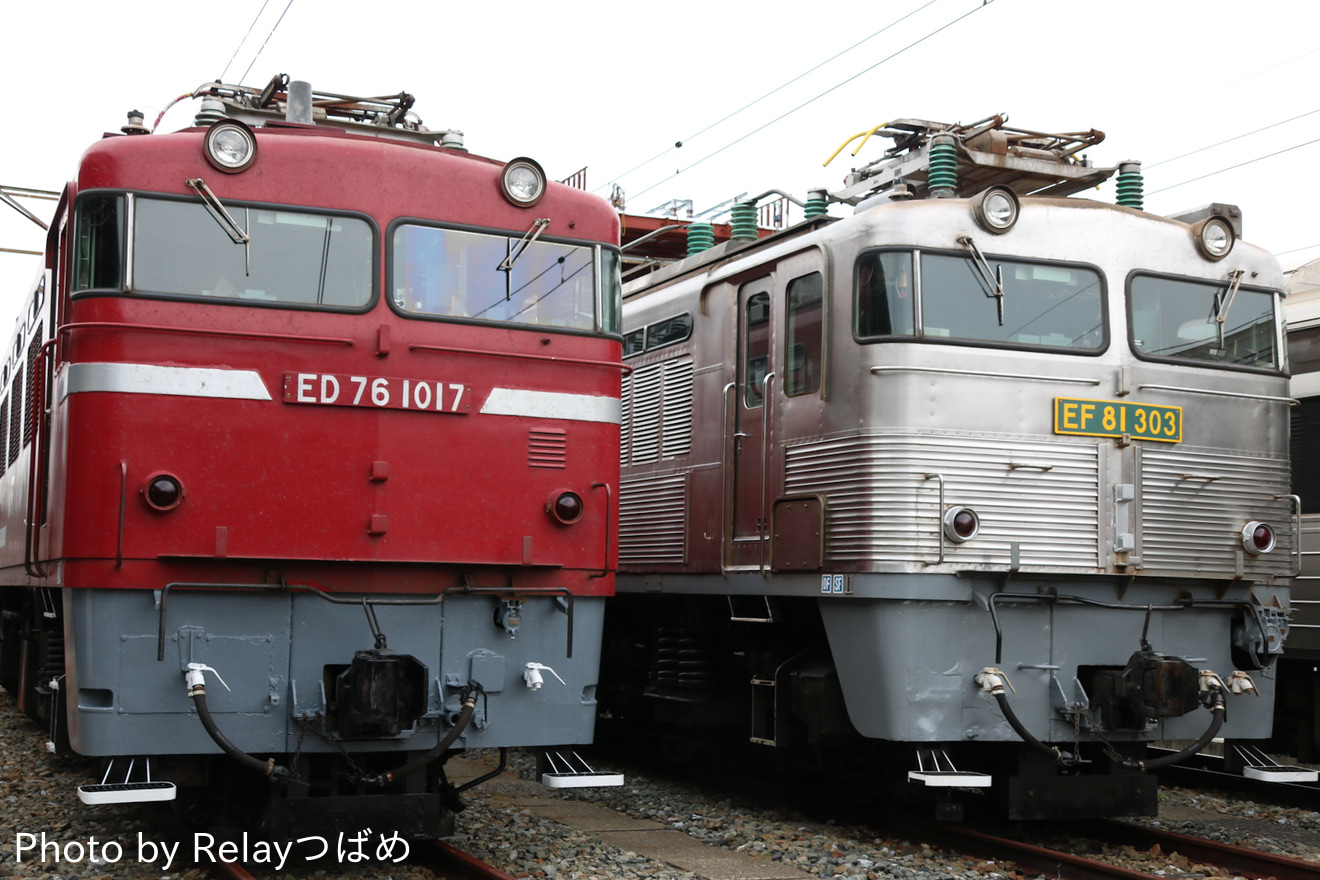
{"points": [[885, 295], [802, 357]]}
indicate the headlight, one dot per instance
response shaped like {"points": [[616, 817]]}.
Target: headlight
{"points": [[523, 182], [997, 209], [1214, 237], [230, 146]]}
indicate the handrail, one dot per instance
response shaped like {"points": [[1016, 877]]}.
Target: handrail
{"points": [[1297, 531], [939, 516], [724, 478], [1214, 392], [905, 368], [765, 461], [449, 349], [203, 331], [609, 509], [36, 462], [364, 600]]}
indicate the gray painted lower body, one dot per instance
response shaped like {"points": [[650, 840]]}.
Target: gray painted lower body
{"points": [[271, 649]]}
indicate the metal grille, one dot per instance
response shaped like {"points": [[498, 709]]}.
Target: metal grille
{"points": [[33, 352], [657, 412], [15, 416], [677, 434], [4, 434], [883, 507], [653, 520], [1194, 504], [547, 448], [644, 415]]}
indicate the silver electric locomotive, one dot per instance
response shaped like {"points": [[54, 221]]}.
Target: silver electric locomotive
{"points": [[980, 488]]}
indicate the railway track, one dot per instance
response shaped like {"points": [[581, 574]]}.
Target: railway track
{"points": [[1207, 858], [1305, 796], [442, 859]]}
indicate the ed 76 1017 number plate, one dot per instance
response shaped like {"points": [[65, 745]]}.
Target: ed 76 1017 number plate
{"points": [[378, 392]]}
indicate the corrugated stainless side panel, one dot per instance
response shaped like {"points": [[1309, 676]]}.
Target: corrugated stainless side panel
{"points": [[653, 520], [1194, 503], [883, 507]]}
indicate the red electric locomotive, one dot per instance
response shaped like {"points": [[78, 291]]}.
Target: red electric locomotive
{"points": [[310, 446]]}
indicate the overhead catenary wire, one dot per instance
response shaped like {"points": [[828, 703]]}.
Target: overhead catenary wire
{"points": [[810, 101], [1237, 137], [773, 91], [243, 42], [267, 40], [1234, 167]]}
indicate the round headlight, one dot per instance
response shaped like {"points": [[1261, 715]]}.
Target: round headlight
{"points": [[230, 146], [163, 491], [565, 508], [1214, 237], [1258, 538], [523, 182], [997, 209], [961, 524]]}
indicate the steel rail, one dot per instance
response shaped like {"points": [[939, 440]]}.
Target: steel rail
{"points": [[1242, 862]]}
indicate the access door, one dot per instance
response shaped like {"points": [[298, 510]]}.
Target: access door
{"points": [[751, 423]]}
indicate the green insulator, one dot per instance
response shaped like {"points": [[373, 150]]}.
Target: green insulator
{"points": [[700, 237], [817, 203], [1130, 184], [943, 180], [743, 221]]}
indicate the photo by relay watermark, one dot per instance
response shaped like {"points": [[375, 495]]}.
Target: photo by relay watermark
{"points": [[358, 846]]}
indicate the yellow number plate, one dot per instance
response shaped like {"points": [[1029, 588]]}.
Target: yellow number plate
{"points": [[1113, 418]]}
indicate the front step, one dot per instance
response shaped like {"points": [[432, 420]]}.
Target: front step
{"points": [[127, 791], [569, 770], [1261, 767], [942, 773]]}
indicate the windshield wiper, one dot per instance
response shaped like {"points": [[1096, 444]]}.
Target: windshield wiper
{"points": [[538, 226], [1221, 308], [227, 223], [993, 280]]}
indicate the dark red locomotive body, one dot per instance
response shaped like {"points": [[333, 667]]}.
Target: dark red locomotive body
{"points": [[329, 411]]}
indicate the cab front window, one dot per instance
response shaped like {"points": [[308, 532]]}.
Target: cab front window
{"points": [[1207, 322], [483, 276]]}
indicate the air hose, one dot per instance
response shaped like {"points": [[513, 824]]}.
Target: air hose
{"points": [[1021, 729], [1217, 709], [197, 691], [469, 705]]}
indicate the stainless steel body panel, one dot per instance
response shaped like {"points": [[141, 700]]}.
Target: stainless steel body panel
{"points": [[900, 430]]}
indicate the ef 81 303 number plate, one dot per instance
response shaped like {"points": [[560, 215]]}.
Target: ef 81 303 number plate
{"points": [[1115, 418], [378, 392]]}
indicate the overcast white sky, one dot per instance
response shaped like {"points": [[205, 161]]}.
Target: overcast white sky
{"points": [[610, 85]]}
